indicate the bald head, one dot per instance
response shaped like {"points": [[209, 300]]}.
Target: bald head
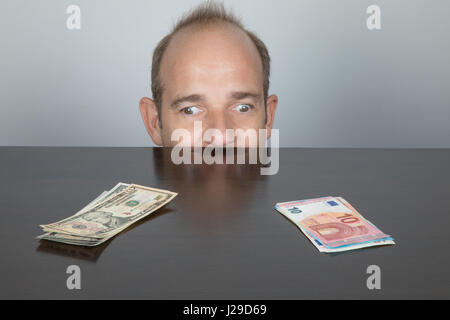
{"points": [[208, 69], [208, 59]]}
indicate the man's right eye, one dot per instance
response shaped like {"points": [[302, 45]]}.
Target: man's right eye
{"points": [[189, 111]]}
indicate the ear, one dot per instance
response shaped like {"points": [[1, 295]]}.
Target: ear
{"points": [[271, 106], [149, 113]]}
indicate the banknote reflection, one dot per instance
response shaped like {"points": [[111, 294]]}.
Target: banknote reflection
{"points": [[91, 253], [79, 252]]}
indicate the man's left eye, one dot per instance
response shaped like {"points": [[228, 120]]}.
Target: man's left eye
{"points": [[243, 108]]}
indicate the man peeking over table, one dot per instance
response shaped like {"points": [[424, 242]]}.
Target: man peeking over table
{"points": [[209, 72]]}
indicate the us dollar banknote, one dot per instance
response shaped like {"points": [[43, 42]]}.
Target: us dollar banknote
{"points": [[107, 215]]}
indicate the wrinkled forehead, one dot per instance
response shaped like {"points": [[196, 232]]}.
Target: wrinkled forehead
{"points": [[213, 51]]}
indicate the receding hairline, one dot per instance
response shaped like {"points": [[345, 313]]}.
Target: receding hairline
{"points": [[216, 25], [208, 14], [212, 23]]}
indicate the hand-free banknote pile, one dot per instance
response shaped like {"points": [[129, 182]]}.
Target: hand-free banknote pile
{"points": [[107, 215], [332, 224]]}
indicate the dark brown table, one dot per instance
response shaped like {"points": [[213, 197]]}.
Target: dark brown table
{"points": [[221, 238]]}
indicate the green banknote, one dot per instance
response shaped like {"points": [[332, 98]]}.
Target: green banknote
{"points": [[107, 215]]}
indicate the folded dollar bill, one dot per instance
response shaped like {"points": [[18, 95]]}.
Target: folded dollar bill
{"points": [[107, 215], [332, 224]]}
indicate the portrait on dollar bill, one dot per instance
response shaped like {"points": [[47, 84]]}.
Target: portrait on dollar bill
{"points": [[107, 219]]}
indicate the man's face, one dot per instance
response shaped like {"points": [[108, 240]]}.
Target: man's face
{"points": [[211, 74]]}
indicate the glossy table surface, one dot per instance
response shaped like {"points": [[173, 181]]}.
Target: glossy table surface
{"points": [[220, 238]]}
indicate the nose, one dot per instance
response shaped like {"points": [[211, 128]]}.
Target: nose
{"points": [[218, 123]]}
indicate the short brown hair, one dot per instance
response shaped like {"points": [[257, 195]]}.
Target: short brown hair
{"points": [[207, 12]]}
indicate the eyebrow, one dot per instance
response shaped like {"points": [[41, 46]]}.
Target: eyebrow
{"points": [[190, 98], [193, 98], [238, 95]]}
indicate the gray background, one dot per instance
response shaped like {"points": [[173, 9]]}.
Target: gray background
{"points": [[339, 84]]}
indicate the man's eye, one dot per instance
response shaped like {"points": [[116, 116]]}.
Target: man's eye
{"points": [[190, 110], [243, 108]]}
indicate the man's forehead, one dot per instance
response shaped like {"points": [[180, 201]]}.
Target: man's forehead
{"points": [[210, 48]]}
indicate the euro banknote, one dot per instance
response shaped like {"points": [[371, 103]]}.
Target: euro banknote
{"points": [[332, 224]]}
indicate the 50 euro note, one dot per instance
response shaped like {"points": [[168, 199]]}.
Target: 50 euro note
{"points": [[332, 224], [102, 219]]}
